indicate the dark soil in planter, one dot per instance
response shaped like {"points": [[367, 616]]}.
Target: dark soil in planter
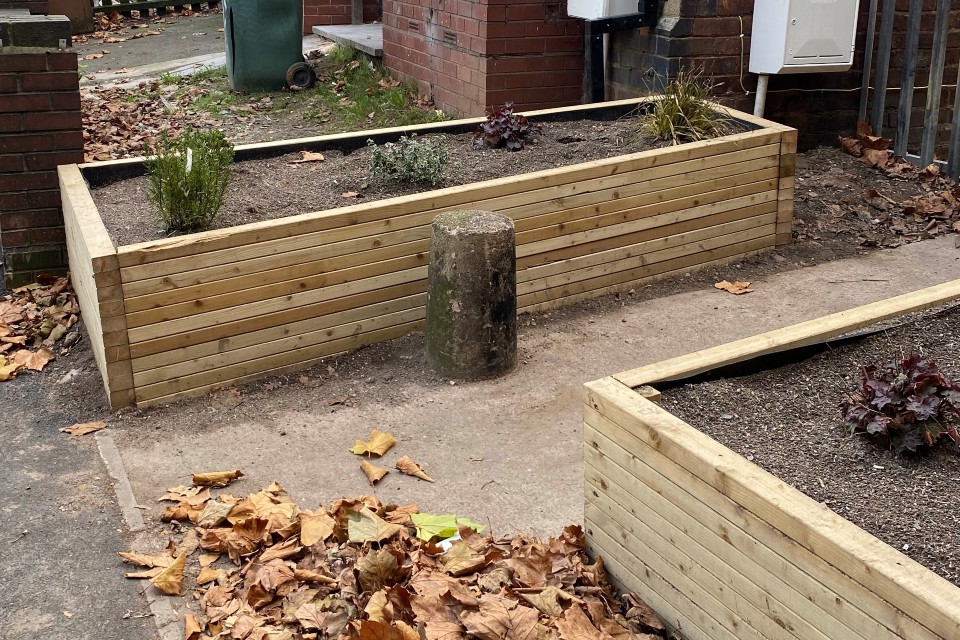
{"points": [[275, 188], [787, 421]]}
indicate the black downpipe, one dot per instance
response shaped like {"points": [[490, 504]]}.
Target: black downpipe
{"points": [[593, 30]]}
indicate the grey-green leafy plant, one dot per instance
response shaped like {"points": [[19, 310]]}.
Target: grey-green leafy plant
{"points": [[409, 160], [684, 113], [188, 178]]}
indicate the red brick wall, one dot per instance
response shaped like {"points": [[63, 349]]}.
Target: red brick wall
{"points": [[327, 12], [40, 128], [706, 33], [471, 55]]}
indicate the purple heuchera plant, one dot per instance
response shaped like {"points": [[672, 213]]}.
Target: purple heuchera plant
{"points": [[504, 128]]}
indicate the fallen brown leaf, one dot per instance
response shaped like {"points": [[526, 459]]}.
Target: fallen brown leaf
{"points": [[736, 288], [374, 473], [83, 428], [32, 360], [216, 478], [377, 444], [308, 156], [170, 580], [411, 468], [191, 627]]}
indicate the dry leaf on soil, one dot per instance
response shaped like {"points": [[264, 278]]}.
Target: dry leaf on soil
{"points": [[191, 627], [411, 468], [315, 527], [366, 526], [83, 428], [216, 478], [377, 444], [32, 360], [170, 580], [736, 288], [144, 560], [308, 156], [501, 619], [8, 371], [374, 473]]}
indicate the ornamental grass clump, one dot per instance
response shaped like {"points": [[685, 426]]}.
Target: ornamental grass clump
{"points": [[409, 160], [905, 405], [188, 179], [684, 113]]}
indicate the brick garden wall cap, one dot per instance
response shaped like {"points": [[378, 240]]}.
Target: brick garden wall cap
{"points": [[20, 31]]}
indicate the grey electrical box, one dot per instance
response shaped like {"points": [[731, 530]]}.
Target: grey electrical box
{"points": [[803, 36]]}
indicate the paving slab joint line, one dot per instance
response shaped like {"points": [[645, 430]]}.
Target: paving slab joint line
{"points": [[165, 616]]}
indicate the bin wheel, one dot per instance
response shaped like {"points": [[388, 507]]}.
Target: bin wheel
{"points": [[301, 76]]}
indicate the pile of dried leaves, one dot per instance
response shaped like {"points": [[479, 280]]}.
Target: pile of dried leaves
{"points": [[32, 320], [362, 570], [931, 213]]}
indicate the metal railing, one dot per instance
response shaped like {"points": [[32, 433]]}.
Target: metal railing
{"points": [[908, 71]]}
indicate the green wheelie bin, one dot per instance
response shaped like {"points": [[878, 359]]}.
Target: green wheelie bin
{"points": [[263, 41]]}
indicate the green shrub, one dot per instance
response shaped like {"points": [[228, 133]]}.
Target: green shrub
{"points": [[409, 160], [188, 178], [684, 114]]}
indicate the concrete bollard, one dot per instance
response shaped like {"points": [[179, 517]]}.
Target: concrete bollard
{"points": [[471, 328]]}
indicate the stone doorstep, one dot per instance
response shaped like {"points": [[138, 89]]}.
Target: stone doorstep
{"points": [[367, 38]]}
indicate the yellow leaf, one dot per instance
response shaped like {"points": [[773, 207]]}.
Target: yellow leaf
{"points": [[411, 468], [374, 473], [315, 527], [378, 444], [141, 575], [170, 580], [83, 428], [216, 478], [8, 371]]}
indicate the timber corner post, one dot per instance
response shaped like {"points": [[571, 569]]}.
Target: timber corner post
{"points": [[95, 274], [785, 187]]}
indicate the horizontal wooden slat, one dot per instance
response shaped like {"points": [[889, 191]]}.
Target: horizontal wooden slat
{"points": [[256, 294], [639, 234], [913, 589], [629, 477], [298, 340], [258, 368], [685, 613], [252, 311], [171, 248], [277, 319], [700, 240], [315, 323], [627, 280], [717, 599]]}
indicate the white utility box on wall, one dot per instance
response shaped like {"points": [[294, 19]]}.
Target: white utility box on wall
{"points": [[803, 36], [599, 9]]}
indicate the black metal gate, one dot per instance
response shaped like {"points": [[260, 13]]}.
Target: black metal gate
{"points": [[933, 137]]}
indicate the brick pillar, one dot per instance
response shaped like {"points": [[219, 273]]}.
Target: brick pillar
{"points": [[471, 55], [40, 128]]}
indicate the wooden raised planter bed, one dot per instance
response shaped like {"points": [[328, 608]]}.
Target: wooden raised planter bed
{"points": [[178, 317], [725, 550]]}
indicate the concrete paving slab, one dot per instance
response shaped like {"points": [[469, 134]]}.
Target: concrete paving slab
{"points": [[506, 452], [364, 37]]}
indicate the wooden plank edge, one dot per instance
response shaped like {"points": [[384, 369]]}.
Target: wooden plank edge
{"points": [[144, 401], [793, 336]]}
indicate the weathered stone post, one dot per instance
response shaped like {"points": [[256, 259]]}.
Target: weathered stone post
{"points": [[471, 330]]}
